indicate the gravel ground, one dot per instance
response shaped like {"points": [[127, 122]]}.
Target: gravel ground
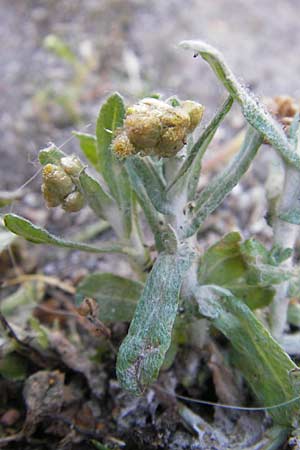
{"points": [[134, 46]]}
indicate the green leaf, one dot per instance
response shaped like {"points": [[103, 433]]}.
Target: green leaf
{"points": [[224, 264], [195, 155], [24, 298], [143, 351], [279, 254], [116, 296], [264, 364], [40, 332], [101, 202], [50, 155], [262, 270], [59, 47], [254, 251], [98, 200], [110, 118], [266, 275], [212, 196], [294, 313], [151, 181], [88, 144], [162, 233], [255, 114], [13, 367], [294, 130], [98, 445], [38, 235], [173, 101], [291, 216]]}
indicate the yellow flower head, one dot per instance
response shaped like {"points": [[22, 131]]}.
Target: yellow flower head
{"points": [[154, 127]]}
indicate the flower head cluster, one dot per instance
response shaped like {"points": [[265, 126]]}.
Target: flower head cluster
{"points": [[284, 108], [154, 127], [58, 184]]}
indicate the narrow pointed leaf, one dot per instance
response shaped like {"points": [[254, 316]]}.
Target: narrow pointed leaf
{"points": [[38, 235], [151, 182], [255, 114], [153, 217], [198, 150], [212, 196]]}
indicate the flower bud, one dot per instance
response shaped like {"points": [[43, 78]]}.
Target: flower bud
{"points": [[56, 184], [50, 197], [122, 146], [143, 125], [73, 202], [195, 111], [71, 165]]}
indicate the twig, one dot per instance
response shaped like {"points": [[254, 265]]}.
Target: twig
{"points": [[52, 281]]}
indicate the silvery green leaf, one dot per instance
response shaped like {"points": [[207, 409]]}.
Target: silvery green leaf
{"points": [[116, 296], [264, 364], [38, 235], [151, 181], [98, 200], [255, 114], [278, 254], [142, 353], [291, 216], [265, 275], [212, 196], [154, 218], [294, 130], [111, 116], [197, 151]]}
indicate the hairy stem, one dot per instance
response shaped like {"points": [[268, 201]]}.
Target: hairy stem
{"points": [[285, 235]]}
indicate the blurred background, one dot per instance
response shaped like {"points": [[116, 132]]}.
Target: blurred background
{"points": [[60, 58]]}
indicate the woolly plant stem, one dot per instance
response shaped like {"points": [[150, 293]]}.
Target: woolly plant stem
{"points": [[285, 235]]}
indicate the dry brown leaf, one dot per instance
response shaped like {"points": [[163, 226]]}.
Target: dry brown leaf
{"points": [[43, 395]]}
